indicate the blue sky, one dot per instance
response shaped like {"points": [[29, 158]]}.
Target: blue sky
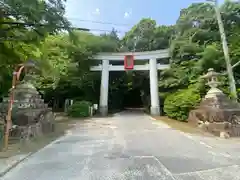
{"points": [[123, 13]]}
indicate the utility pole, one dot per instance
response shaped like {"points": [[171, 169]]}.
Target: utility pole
{"points": [[225, 50]]}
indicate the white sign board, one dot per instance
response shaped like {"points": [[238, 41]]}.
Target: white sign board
{"points": [[95, 106]]}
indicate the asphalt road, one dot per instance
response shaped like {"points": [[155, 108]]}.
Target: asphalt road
{"points": [[131, 146]]}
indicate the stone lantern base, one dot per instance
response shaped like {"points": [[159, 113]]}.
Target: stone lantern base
{"points": [[31, 117], [217, 114]]}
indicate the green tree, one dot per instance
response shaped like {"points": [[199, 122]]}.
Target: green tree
{"points": [[196, 46], [23, 24], [32, 17]]}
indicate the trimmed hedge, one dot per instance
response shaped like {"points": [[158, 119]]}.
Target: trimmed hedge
{"points": [[177, 105], [79, 109]]}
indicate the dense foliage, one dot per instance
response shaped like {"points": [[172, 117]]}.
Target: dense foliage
{"points": [[195, 47], [194, 42], [178, 104]]}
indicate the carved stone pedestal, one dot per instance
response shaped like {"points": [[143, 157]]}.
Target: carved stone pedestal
{"points": [[216, 113], [31, 117]]}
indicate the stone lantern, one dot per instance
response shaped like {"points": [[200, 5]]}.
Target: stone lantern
{"points": [[212, 82], [216, 113], [30, 116]]}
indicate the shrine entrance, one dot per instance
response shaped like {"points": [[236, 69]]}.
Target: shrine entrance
{"points": [[153, 64], [133, 99]]}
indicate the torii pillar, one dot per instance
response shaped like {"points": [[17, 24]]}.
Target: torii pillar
{"points": [[103, 104], [153, 73]]}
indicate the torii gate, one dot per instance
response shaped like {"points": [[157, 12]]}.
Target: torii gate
{"points": [[129, 58]]}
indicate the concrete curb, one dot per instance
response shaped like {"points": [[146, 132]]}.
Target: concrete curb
{"points": [[152, 118], [10, 166], [17, 162], [160, 124]]}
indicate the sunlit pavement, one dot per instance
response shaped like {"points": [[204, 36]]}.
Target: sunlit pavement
{"points": [[131, 146]]}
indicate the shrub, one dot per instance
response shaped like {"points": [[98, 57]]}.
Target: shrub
{"points": [[79, 109], [178, 104]]}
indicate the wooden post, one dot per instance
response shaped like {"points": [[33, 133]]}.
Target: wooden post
{"points": [[16, 76], [9, 112]]}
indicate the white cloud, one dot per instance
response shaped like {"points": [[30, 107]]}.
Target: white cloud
{"points": [[126, 15], [97, 11]]}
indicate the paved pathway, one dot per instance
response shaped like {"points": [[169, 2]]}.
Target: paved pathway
{"points": [[129, 146]]}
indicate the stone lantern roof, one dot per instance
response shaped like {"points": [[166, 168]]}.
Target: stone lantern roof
{"points": [[211, 73], [212, 82]]}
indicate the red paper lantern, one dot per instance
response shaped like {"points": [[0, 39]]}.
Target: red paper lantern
{"points": [[129, 62]]}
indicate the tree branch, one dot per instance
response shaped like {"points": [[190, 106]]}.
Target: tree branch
{"points": [[233, 66]]}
